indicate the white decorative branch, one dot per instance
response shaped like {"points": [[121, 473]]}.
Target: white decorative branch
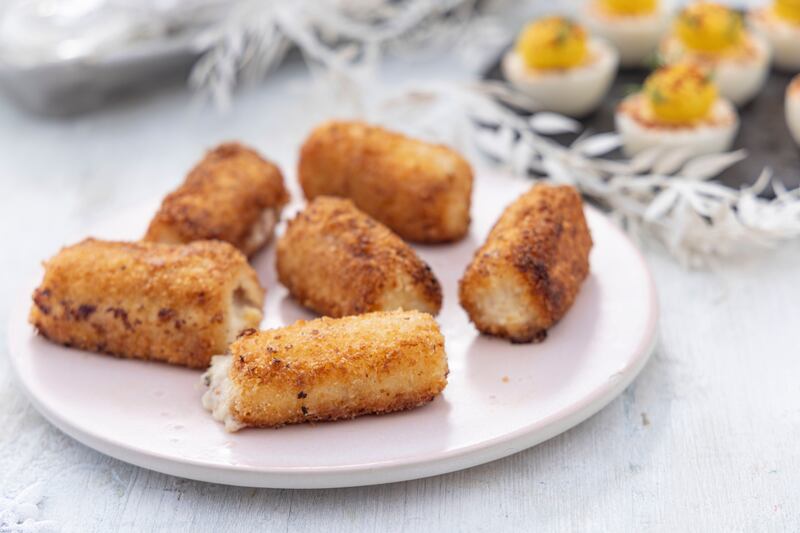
{"points": [[345, 38], [21, 512]]}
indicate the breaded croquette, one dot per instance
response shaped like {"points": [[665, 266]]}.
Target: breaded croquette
{"points": [[421, 191], [328, 369], [233, 195], [338, 261], [175, 303], [528, 272]]}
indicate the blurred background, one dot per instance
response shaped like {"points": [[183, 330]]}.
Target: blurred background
{"points": [[65, 57]]}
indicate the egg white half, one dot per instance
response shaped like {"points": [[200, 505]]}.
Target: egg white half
{"points": [[635, 37], [640, 131], [739, 77], [792, 108], [574, 91], [783, 38]]}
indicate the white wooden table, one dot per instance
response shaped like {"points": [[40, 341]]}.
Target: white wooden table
{"points": [[707, 439]]}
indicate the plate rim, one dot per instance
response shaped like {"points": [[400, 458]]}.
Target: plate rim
{"points": [[373, 473]]}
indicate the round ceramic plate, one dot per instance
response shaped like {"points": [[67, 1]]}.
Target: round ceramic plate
{"points": [[501, 397]]}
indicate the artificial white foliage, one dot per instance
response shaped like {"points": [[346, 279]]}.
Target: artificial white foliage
{"points": [[710, 165], [553, 124], [599, 144], [341, 39], [20, 513]]}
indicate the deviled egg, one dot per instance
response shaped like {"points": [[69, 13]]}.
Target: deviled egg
{"points": [[792, 108], [779, 24], [560, 67], [679, 107], [714, 36], [633, 27]]}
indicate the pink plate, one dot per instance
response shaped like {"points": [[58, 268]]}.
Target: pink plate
{"points": [[501, 398]]}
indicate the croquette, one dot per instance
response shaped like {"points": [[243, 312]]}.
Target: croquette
{"points": [[233, 195], [328, 369], [338, 261], [175, 303], [421, 191], [527, 274]]}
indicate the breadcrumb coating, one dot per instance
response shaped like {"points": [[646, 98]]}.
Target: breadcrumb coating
{"points": [[175, 303], [421, 191], [329, 369], [527, 274], [233, 195], [338, 261]]}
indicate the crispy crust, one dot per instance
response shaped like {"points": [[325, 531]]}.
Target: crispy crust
{"points": [[227, 196], [330, 369], [421, 191], [175, 303], [526, 276], [338, 261]]}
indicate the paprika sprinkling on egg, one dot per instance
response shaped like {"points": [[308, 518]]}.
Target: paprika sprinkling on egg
{"points": [[681, 94], [678, 107], [715, 37], [552, 42], [560, 66], [707, 27]]}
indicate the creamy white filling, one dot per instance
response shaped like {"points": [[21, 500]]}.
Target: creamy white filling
{"points": [[262, 230], [219, 396], [244, 313]]}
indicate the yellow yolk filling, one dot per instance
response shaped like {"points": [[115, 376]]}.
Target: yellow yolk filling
{"points": [[552, 43], [629, 7], [788, 10], [708, 27], [680, 94]]}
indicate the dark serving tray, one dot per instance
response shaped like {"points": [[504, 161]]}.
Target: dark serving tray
{"points": [[762, 132]]}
